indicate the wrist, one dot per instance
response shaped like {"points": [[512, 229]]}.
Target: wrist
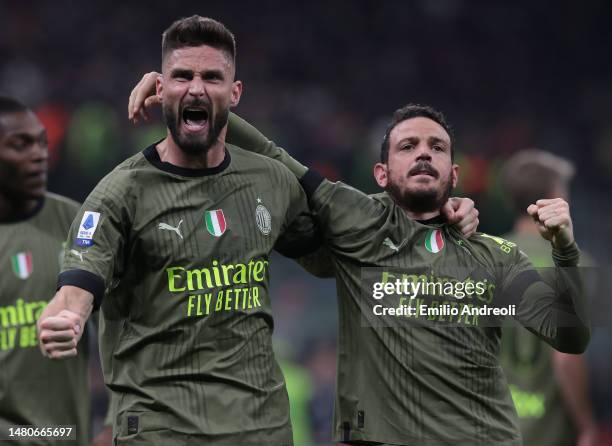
{"points": [[566, 256]]}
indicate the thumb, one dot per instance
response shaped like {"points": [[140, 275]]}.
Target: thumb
{"points": [[532, 210], [448, 211]]}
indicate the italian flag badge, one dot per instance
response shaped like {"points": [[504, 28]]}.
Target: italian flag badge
{"points": [[434, 241], [22, 264], [215, 222]]}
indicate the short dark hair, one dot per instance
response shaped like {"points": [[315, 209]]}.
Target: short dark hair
{"points": [[195, 31], [408, 112], [10, 105], [531, 174]]}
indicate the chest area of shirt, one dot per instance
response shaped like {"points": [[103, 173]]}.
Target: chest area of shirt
{"points": [[29, 260], [196, 226]]}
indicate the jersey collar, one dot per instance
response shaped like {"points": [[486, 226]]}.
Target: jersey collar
{"points": [[151, 154]]}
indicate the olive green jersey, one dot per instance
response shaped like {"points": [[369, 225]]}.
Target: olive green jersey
{"points": [[34, 390], [185, 333], [429, 384], [543, 415]]}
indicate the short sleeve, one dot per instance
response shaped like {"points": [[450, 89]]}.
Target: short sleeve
{"points": [[97, 240]]}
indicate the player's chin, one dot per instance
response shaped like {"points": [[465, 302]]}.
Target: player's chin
{"points": [[422, 187], [34, 192]]}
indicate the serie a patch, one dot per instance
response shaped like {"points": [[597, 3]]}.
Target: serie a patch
{"points": [[87, 228]]}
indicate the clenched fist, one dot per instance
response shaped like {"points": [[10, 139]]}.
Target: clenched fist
{"points": [[60, 334], [554, 221]]}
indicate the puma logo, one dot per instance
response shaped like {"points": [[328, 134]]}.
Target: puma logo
{"points": [[78, 254], [167, 227], [389, 243]]}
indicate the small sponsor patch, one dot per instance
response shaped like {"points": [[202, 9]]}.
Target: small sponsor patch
{"points": [[87, 228]]}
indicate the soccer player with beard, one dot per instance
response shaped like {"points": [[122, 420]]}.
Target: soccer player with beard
{"points": [[434, 384], [33, 228], [430, 385], [173, 245]]}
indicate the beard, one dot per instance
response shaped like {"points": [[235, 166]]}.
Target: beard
{"points": [[421, 201], [195, 144]]}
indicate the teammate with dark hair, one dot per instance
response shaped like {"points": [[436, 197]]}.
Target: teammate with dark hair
{"points": [[33, 227]]}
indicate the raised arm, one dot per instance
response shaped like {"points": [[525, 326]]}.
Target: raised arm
{"points": [[555, 310]]}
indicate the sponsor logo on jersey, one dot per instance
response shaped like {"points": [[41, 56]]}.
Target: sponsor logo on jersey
{"points": [[88, 226], [22, 264], [263, 218], [220, 287], [18, 324], [167, 227], [78, 254], [434, 242], [215, 222]]}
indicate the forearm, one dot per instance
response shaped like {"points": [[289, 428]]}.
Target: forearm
{"points": [[556, 309], [247, 137], [574, 330], [572, 375]]}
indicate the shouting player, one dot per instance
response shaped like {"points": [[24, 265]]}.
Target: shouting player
{"points": [[179, 237], [33, 227], [424, 385]]}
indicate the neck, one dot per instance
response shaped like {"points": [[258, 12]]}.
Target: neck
{"points": [[11, 209], [170, 153], [525, 225], [421, 215]]}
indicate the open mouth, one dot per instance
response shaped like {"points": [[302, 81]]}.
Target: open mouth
{"points": [[195, 118]]}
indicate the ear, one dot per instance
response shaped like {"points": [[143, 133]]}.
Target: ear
{"points": [[455, 175], [236, 93], [159, 86], [381, 174]]}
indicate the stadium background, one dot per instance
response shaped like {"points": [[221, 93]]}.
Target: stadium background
{"points": [[322, 79]]}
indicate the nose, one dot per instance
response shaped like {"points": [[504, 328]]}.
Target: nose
{"points": [[40, 152], [423, 153], [197, 87]]}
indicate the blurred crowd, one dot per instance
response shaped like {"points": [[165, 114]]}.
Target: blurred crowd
{"points": [[322, 79]]}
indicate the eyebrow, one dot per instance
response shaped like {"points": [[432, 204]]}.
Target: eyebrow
{"points": [[26, 135], [203, 73], [430, 140], [435, 139]]}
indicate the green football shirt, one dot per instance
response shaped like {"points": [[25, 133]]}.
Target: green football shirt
{"points": [[431, 384], [178, 261], [34, 390]]}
